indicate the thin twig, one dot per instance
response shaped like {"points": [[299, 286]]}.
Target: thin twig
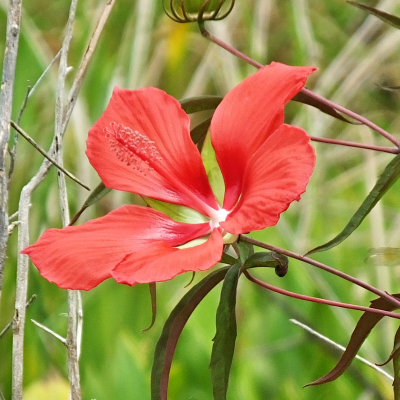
{"points": [[44, 154], [34, 87], [12, 216], [10, 324], [13, 150], [307, 92], [342, 348], [319, 300], [48, 330], [29, 92], [12, 226], [317, 264]]}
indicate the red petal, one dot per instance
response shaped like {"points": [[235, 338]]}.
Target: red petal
{"points": [[80, 257], [276, 175], [247, 116], [160, 262], [141, 144]]}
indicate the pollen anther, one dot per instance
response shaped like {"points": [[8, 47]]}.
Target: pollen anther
{"points": [[132, 148]]}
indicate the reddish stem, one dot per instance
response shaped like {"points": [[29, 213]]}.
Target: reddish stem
{"points": [[317, 264], [358, 145], [318, 300], [308, 92]]}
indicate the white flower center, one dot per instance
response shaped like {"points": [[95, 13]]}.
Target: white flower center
{"points": [[217, 216]]}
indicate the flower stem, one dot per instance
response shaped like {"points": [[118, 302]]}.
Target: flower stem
{"points": [[318, 300], [354, 115], [358, 145], [305, 91], [317, 264], [226, 46]]}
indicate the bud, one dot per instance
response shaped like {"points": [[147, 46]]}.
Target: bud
{"points": [[197, 10]]}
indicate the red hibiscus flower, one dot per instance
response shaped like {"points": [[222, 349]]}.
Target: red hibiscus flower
{"points": [[250, 170]]}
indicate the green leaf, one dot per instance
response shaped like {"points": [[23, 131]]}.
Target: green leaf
{"points": [[363, 328], [173, 327], [177, 212], [225, 337], [200, 103], [389, 176], [213, 171], [385, 17], [99, 192], [304, 98]]}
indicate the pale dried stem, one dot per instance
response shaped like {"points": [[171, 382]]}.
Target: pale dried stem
{"points": [[22, 279], [6, 96], [71, 340]]}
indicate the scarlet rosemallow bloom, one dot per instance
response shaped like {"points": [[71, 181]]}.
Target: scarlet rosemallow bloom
{"points": [[251, 168]]}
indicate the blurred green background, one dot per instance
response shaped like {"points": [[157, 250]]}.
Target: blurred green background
{"points": [[141, 47]]}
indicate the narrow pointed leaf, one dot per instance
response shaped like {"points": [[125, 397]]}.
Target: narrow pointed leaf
{"points": [[173, 327], [97, 193], [225, 337], [396, 366], [364, 326], [389, 176], [153, 295], [385, 17], [304, 98]]}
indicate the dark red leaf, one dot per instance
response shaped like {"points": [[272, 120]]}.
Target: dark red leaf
{"points": [[364, 326]]}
